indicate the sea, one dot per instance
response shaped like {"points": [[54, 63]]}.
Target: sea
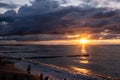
{"points": [[96, 61]]}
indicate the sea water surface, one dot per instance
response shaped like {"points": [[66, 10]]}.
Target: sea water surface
{"points": [[102, 60]]}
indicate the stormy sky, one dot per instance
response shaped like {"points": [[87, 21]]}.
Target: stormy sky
{"points": [[23, 17]]}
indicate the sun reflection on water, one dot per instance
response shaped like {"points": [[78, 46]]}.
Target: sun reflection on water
{"points": [[84, 61], [83, 49]]}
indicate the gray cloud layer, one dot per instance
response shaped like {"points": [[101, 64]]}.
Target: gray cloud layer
{"points": [[8, 6], [96, 3]]}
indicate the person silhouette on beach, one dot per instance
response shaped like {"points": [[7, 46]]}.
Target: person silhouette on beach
{"points": [[29, 70], [41, 76], [46, 78]]}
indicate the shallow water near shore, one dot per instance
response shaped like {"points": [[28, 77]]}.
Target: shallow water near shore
{"points": [[103, 60]]}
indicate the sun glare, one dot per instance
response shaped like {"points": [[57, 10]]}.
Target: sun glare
{"points": [[83, 41]]}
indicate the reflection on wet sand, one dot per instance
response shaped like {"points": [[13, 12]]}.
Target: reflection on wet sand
{"points": [[80, 70]]}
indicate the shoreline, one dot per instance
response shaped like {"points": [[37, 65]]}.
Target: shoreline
{"points": [[8, 64], [54, 72]]}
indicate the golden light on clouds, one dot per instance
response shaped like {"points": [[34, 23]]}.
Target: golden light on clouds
{"points": [[84, 41]]}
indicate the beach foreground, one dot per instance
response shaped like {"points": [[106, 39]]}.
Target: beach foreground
{"points": [[9, 72]]}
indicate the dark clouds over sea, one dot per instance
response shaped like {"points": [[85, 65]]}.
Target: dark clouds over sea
{"points": [[46, 17]]}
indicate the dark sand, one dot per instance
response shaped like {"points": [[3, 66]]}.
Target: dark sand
{"points": [[9, 72]]}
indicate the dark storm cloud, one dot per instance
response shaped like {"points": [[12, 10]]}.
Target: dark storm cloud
{"points": [[8, 6], [97, 24], [107, 14], [38, 7], [42, 17]]}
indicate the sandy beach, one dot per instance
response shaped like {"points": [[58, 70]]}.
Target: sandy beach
{"points": [[9, 72]]}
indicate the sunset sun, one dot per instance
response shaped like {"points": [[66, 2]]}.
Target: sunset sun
{"points": [[83, 41]]}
